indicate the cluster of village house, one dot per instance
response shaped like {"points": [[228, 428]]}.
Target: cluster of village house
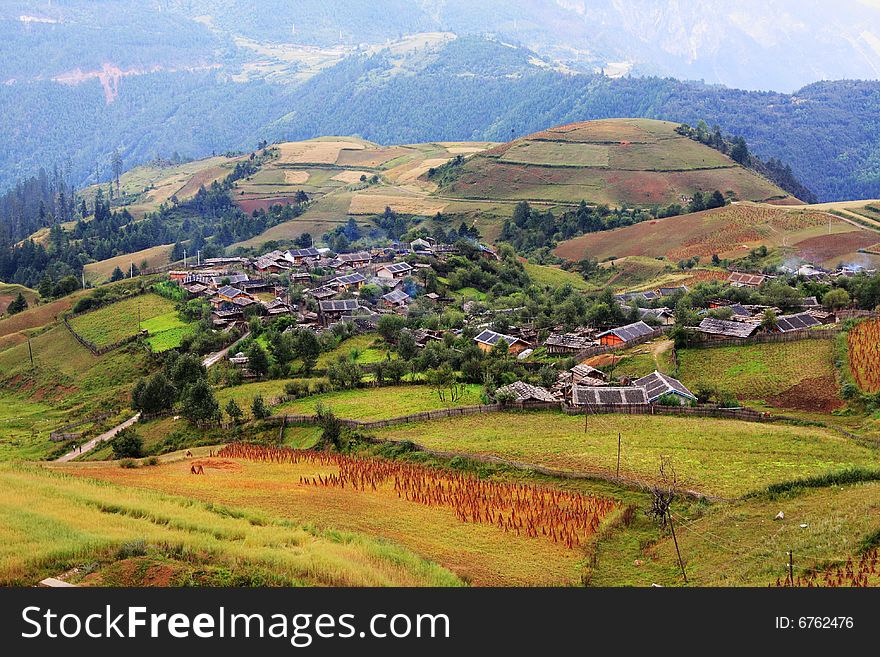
{"points": [[584, 385], [233, 284]]}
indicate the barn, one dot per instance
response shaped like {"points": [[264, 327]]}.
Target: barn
{"points": [[722, 329], [798, 322], [523, 392]]}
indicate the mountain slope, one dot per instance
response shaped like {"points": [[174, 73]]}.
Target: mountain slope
{"points": [[615, 161]]}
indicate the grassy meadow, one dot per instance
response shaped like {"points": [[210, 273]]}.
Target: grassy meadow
{"points": [[726, 458], [379, 403], [117, 321]]}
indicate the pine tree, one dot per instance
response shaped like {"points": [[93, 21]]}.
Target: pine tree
{"points": [[18, 305]]}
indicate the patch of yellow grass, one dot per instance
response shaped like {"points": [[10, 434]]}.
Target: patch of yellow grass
{"points": [[376, 203], [350, 177], [314, 152]]}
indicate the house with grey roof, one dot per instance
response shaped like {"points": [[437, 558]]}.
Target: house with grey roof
{"points": [[657, 385]]}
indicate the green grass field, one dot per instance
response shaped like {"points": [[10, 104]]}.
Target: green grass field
{"points": [[556, 277], [50, 522], [368, 346], [119, 320], [719, 457], [379, 403], [762, 371], [166, 331]]}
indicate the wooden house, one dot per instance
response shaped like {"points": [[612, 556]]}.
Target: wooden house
{"points": [[624, 334], [488, 339], [394, 271], [330, 312], [524, 392], [608, 396], [567, 343], [353, 260], [722, 329], [302, 256], [657, 385], [741, 279]]}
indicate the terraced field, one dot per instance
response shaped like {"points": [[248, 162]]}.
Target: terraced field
{"points": [[614, 161], [110, 324]]}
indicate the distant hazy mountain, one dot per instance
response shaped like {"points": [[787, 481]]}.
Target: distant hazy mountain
{"points": [[80, 79], [771, 44]]}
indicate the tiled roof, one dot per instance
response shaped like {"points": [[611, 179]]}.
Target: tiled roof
{"points": [[396, 296], [350, 279], [606, 395], [524, 392], [752, 280], [229, 292], [727, 328], [338, 305], [491, 338], [798, 322], [658, 384], [629, 332], [354, 257]]}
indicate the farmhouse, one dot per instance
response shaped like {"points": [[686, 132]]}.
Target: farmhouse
{"points": [[351, 281], [723, 329], [664, 316], [396, 299], [394, 271], [585, 375], [626, 298], [421, 247], [267, 265], [352, 260], [488, 253], [657, 384], [424, 336], [669, 291], [228, 279], [608, 396], [568, 343], [322, 293], [299, 256], [625, 334], [488, 339], [523, 392], [230, 293], [798, 322], [239, 360], [740, 279], [332, 311]]}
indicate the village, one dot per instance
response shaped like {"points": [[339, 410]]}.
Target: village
{"points": [[317, 290]]}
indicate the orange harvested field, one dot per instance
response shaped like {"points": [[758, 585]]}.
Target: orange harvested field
{"points": [[727, 231], [37, 316], [371, 157], [864, 355], [296, 177], [382, 498], [827, 247], [202, 178], [351, 177], [314, 152], [414, 204], [156, 256]]}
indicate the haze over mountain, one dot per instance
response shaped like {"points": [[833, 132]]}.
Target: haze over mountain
{"points": [[147, 79]]}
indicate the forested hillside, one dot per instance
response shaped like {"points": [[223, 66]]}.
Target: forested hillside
{"points": [[467, 88]]}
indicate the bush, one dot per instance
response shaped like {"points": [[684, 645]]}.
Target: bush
{"points": [[153, 460], [127, 444], [128, 464]]}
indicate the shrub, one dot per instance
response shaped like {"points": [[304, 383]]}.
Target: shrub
{"points": [[128, 464], [127, 444]]}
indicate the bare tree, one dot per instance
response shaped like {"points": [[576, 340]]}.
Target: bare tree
{"points": [[663, 494]]}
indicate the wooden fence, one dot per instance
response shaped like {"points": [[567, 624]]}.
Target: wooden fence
{"points": [[63, 432], [824, 333], [95, 349], [744, 414]]}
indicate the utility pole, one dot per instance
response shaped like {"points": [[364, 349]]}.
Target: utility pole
{"points": [[675, 540], [199, 258], [139, 315], [184, 258], [31, 353], [131, 271], [618, 455], [586, 413], [791, 568]]}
